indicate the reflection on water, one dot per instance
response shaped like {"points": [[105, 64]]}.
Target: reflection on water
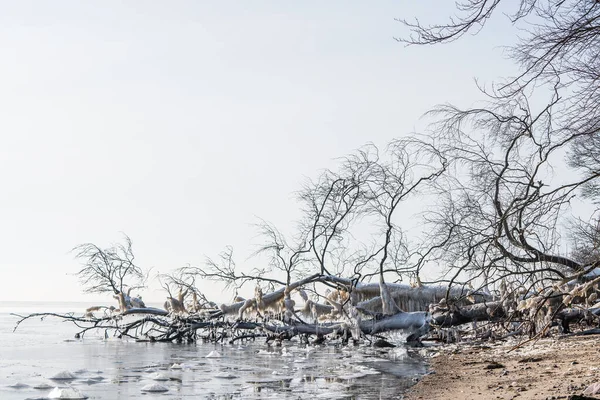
{"points": [[116, 369]]}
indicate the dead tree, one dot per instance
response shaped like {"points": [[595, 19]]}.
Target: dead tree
{"points": [[110, 270], [503, 204]]}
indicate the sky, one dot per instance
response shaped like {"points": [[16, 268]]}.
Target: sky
{"points": [[180, 123]]}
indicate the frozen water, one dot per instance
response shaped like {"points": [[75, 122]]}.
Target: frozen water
{"points": [[118, 370]]}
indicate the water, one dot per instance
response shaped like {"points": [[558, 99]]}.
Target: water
{"points": [[119, 369]]}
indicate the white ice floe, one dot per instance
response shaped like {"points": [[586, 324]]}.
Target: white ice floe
{"points": [[155, 388], [177, 366], [18, 385], [225, 375], [89, 381], [43, 386], [63, 375], [66, 393], [367, 370], [214, 354], [159, 376]]}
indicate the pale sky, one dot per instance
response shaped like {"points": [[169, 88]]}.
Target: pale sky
{"points": [[180, 122]]}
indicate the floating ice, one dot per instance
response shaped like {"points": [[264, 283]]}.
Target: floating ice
{"points": [[177, 366], [213, 354], [356, 375], [89, 381], [18, 385], [63, 375], [225, 375], [43, 386], [367, 370], [155, 388], [160, 377], [66, 393]]}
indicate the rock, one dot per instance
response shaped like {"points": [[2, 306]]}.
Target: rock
{"points": [[493, 365], [66, 393], [594, 388], [155, 388], [530, 360], [382, 343]]}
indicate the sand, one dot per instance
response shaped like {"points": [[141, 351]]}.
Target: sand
{"points": [[547, 369]]}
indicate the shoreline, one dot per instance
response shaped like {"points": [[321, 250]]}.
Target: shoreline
{"points": [[550, 368]]}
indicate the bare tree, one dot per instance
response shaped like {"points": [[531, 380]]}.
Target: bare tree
{"points": [[181, 284], [585, 241], [112, 269], [330, 205], [282, 256], [508, 195], [365, 194]]}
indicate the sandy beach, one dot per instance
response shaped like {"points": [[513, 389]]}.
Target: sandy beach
{"points": [[547, 369]]}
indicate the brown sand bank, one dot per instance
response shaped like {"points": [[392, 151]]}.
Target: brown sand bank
{"points": [[547, 369]]}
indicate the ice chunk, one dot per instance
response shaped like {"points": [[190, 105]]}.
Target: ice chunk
{"points": [[18, 385], [225, 375], [160, 377], [63, 375], [43, 386], [155, 388], [66, 393]]}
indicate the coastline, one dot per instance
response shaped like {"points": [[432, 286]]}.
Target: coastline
{"points": [[550, 368]]}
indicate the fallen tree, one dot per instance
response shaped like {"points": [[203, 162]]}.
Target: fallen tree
{"points": [[359, 314]]}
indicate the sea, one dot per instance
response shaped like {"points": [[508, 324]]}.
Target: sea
{"points": [[119, 369]]}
